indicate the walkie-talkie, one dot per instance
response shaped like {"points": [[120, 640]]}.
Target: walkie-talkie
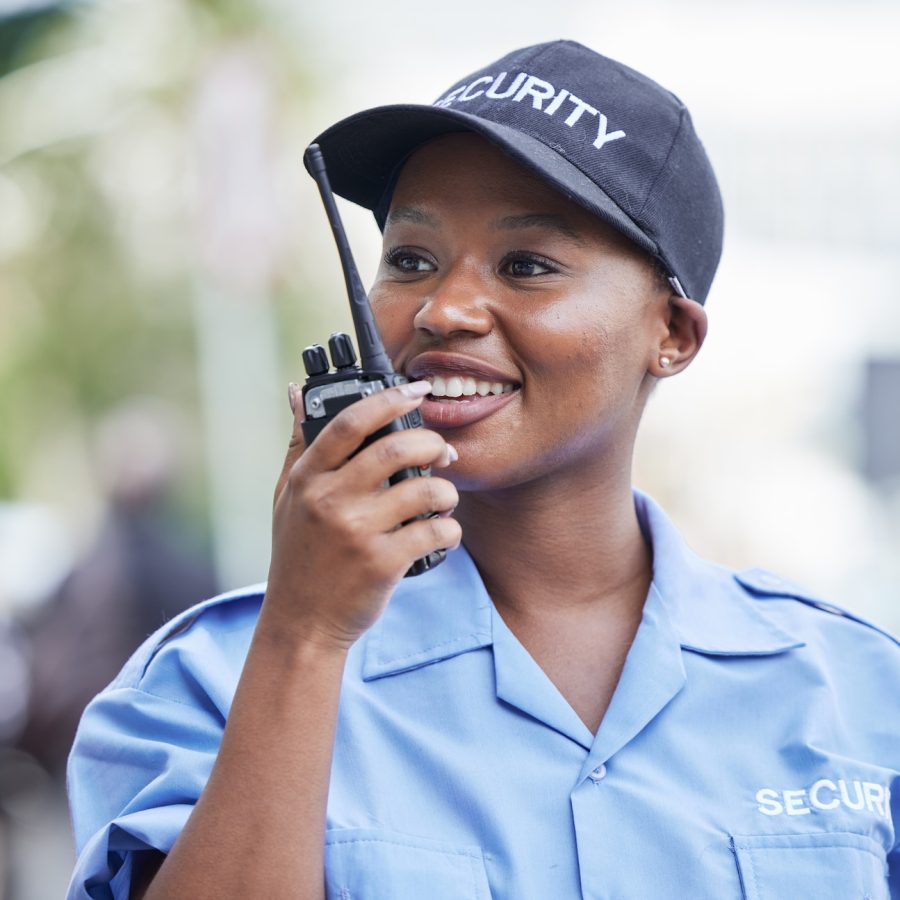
{"points": [[326, 393]]}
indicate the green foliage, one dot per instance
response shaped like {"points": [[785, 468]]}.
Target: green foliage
{"points": [[23, 34], [96, 293]]}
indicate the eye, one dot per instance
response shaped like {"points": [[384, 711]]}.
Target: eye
{"points": [[526, 265], [408, 261]]}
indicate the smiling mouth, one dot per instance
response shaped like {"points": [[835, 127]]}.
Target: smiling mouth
{"points": [[457, 388], [456, 401]]}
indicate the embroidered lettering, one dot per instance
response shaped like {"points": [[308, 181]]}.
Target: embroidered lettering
{"points": [[538, 89], [826, 795], [603, 136], [468, 94], [580, 107], [768, 802], [542, 95], [494, 90], [815, 796], [556, 102]]}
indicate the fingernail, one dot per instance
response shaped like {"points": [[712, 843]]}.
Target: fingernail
{"points": [[416, 389], [293, 396], [452, 454]]}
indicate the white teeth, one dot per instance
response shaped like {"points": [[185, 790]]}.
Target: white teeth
{"points": [[466, 386]]}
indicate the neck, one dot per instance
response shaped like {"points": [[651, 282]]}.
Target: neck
{"points": [[553, 547]]}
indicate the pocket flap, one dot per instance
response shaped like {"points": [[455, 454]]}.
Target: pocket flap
{"points": [[375, 864], [824, 865]]}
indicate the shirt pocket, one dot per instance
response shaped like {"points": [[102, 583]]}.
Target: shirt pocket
{"points": [[827, 866], [374, 864]]}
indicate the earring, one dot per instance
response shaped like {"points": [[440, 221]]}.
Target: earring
{"points": [[665, 362]]}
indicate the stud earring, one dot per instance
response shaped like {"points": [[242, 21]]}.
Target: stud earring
{"points": [[665, 362]]}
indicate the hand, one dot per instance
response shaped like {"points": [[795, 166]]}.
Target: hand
{"points": [[339, 546]]}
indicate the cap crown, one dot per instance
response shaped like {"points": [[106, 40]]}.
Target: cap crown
{"points": [[631, 137], [602, 134]]}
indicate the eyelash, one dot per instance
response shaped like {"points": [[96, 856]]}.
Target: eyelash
{"points": [[394, 255], [528, 257]]}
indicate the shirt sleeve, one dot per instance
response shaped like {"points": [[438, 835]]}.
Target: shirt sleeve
{"points": [[147, 744], [137, 767]]}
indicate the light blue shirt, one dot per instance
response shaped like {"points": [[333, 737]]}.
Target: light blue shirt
{"points": [[749, 751]]}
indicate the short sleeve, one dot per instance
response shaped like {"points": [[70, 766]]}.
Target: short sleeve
{"points": [[137, 767], [146, 745]]}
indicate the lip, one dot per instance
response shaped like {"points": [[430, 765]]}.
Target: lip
{"points": [[437, 362], [457, 413]]}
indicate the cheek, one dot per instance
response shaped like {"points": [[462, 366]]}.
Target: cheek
{"points": [[586, 362], [393, 317], [566, 340]]}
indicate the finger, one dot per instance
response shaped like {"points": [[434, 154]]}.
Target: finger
{"points": [[451, 455], [410, 498], [296, 444], [421, 537], [344, 434], [411, 448]]}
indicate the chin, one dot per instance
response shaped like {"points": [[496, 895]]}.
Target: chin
{"points": [[490, 478]]}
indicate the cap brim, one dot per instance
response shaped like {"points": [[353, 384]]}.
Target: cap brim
{"points": [[363, 151]]}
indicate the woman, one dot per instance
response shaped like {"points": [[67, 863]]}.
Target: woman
{"points": [[572, 704]]}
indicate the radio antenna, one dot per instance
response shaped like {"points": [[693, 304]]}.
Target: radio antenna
{"points": [[372, 355]]}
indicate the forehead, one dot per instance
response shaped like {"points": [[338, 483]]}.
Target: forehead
{"points": [[464, 174], [456, 161]]}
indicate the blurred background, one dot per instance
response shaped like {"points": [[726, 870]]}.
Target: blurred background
{"points": [[164, 258]]}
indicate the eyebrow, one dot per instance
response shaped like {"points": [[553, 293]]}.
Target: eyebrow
{"points": [[411, 214], [541, 220]]}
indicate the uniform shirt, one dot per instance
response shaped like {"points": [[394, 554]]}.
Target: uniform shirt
{"points": [[750, 748]]}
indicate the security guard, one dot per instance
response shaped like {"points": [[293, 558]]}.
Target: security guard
{"points": [[573, 704]]}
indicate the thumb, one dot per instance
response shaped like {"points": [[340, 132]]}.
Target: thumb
{"points": [[297, 444]]}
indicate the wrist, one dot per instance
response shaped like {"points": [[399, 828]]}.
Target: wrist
{"points": [[299, 636]]}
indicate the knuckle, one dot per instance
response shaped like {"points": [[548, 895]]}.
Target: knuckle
{"points": [[439, 494], [450, 495], [432, 493], [389, 451], [437, 531], [375, 562], [296, 476], [452, 532], [319, 499], [346, 425], [370, 558], [296, 446]]}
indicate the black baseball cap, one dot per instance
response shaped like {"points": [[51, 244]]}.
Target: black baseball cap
{"points": [[605, 136]]}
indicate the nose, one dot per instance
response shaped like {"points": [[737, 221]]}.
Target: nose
{"points": [[457, 303]]}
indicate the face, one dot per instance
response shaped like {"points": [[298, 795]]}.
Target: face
{"points": [[535, 321]]}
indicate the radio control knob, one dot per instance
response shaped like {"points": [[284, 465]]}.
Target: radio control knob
{"points": [[343, 354], [314, 360]]}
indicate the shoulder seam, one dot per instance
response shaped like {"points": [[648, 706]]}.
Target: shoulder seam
{"points": [[186, 620], [779, 588], [841, 613]]}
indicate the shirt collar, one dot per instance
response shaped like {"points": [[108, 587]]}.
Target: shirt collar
{"points": [[439, 614], [710, 610], [447, 611]]}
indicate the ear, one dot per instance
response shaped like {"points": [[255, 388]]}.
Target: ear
{"points": [[687, 330]]}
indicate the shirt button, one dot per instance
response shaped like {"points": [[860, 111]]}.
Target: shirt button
{"points": [[598, 774]]}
